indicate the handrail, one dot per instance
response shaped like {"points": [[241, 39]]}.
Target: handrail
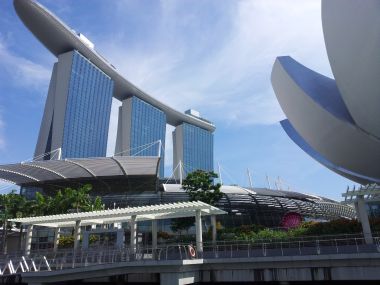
{"points": [[64, 259]]}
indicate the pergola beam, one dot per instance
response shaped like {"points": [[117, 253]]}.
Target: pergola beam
{"points": [[131, 215], [144, 213]]}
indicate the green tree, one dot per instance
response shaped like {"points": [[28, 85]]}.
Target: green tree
{"points": [[40, 205], [98, 204], [76, 199], [200, 187], [12, 205]]}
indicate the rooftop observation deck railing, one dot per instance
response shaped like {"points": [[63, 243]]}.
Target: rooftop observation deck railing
{"points": [[66, 259]]}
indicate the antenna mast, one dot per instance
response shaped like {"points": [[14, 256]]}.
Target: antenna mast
{"points": [[159, 148], [270, 187], [59, 153], [249, 178], [220, 174], [180, 172]]}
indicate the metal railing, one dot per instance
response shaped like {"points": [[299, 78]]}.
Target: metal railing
{"points": [[290, 248], [65, 259]]}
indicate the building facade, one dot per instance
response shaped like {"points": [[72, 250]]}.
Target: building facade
{"points": [[141, 130], [193, 148], [77, 109]]}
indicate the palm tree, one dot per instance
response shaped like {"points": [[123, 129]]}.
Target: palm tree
{"points": [[12, 205], [78, 199]]}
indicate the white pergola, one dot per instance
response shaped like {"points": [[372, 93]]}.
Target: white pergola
{"points": [[359, 197], [131, 215]]}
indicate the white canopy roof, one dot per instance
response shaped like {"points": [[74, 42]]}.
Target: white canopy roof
{"points": [[224, 189], [50, 170], [143, 213]]}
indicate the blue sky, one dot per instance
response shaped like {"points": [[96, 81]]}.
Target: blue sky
{"points": [[211, 55]]}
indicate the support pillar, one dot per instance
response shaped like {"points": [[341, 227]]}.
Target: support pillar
{"points": [[76, 235], [198, 232], [28, 239], [133, 225], [56, 238], [362, 215], [213, 225], [154, 238]]}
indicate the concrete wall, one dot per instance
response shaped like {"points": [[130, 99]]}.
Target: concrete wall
{"points": [[353, 267]]}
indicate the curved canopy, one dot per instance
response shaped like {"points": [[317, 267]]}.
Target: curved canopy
{"points": [[263, 199], [50, 170]]}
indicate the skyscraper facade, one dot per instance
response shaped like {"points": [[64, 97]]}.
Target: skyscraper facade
{"points": [[77, 110], [193, 147], [141, 130]]}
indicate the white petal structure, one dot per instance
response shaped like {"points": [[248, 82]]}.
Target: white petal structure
{"points": [[338, 122], [352, 36]]}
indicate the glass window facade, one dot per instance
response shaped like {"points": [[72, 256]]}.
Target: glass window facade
{"points": [[198, 148], [88, 110], [148, 124]]}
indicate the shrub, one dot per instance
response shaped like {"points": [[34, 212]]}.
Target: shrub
{"points": [[66, 241], [312, 228], [163, 235]]}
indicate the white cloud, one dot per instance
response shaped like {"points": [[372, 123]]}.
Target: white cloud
{"points": [[6, 187], [231, 81], [22, 71]]}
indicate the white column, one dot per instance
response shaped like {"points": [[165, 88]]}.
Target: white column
{"points": [[56, 238], [198, 231], [213, 225], [77, 234], [133, 234], [154, 237], [28, 239], [362, 215]]}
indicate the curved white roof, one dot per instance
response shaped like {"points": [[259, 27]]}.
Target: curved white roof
{"points": [[58, 38], [234, 189], [50, 170]]}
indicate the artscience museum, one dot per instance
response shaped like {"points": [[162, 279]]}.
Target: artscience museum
{"points": [[337, 121]]}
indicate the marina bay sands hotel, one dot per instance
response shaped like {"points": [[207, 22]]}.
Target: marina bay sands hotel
{"points": [[78, 106]]}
